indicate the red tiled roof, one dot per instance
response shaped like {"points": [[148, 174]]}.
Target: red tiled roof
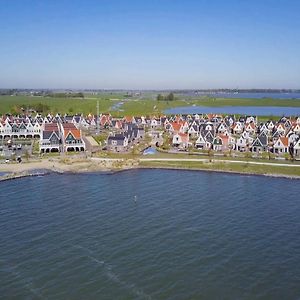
{"points": [[128, 119], [104, 119], [225, 138], [70, 128], [50, 127], [285, 141], [252, 125], [184, 136], [176, 126], [74, 132]]}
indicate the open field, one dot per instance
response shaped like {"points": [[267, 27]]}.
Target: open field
{"points": [[134, 106], [62, 105]]}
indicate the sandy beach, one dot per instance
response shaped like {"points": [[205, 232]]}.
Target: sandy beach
{"points": [[68, 165]]}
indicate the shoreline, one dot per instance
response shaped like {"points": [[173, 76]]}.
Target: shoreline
{"points": [[111, 166], [223, 172]]}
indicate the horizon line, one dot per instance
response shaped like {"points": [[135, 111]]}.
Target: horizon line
{"points": [[154, 89]]}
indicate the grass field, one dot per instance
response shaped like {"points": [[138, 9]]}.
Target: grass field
{"points": [[134, 106], [244, 168], [183, 156], [62, 105]]}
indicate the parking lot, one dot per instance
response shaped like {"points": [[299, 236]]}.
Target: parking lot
{"points": [[16, 148]]}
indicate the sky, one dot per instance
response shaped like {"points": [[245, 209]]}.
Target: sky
{"points": [[153, 44]]}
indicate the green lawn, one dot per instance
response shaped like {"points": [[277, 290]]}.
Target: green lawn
{"points": [[184, 155], [226, 167]]}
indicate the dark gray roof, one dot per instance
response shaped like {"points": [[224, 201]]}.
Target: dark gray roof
{"points": [[117, 137], [47, 134]]}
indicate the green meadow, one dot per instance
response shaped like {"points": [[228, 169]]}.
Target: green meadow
{"points": [[137, 105]]}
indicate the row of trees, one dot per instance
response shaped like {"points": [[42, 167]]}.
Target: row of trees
{"points": [[169, 97], [65, 95]]}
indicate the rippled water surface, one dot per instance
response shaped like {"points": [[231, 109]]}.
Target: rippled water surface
{"points": [[242, 110], [150, 234]]}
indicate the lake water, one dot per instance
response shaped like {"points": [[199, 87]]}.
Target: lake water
{"points": [[243, 110], [150, 234], [249, 95]]}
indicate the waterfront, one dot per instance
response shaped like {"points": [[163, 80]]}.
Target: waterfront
{"points": [[149, 234]]}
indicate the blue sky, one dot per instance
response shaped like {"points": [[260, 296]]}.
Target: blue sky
{"points": [[150, 44]]}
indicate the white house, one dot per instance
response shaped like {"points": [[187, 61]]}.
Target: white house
{"points": [[281, 146], [241, 144], [181, 140], [297, 149]]}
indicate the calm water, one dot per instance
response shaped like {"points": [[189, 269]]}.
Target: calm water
{"points": [[150, 151], [186, 235], [250, 95], [243, 110]]}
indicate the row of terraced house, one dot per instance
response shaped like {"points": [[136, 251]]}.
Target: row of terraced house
{"points": [[241, 134], [211, 131], [55, 133], [207, 131]]}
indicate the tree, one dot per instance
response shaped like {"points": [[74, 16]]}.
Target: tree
{"points": [[41, 108], [160, 97], [170, 97]]}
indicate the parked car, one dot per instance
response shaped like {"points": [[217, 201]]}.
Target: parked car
{"points": [[7, 161]]}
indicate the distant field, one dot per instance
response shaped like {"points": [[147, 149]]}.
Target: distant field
{"points": [[61, 105], [134, 106]]}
